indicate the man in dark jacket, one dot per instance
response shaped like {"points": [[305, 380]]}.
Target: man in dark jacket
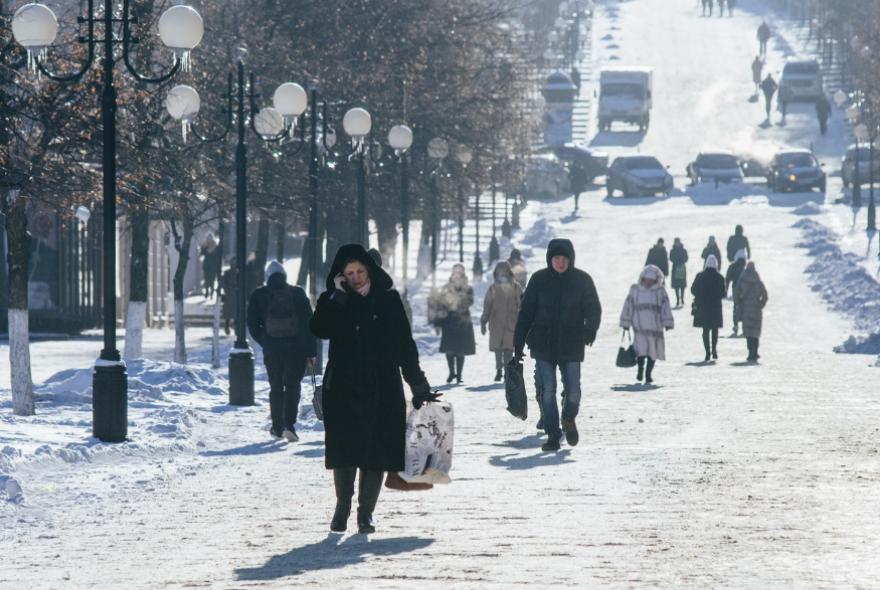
{"points": [[738, 242], [559, 316], [823, 112], [768, 87], [278, 318], [658, 256]]}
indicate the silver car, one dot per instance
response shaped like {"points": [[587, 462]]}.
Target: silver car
{"points": [[637, 176], [867, 168], [801, 80], [715, 167]]}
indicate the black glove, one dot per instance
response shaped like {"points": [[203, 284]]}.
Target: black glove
{"points": [[422, 394], [589, 337], [518, 356]]}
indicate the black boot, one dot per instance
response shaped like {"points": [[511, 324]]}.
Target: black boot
{"points": [[343, 480], [498, 375], [368, 494], [641, 372], [450, 362], [459, 360], [648, 371]]}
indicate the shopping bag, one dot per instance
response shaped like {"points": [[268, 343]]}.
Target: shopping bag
{"points": [[626, 355], [317, 396], [515, 390], [428, 456]]}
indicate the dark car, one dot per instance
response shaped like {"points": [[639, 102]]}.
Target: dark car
{"points": [[795, 170], [638, 175], [594, 163], [715, 167]]}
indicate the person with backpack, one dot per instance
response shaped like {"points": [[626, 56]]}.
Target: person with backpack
{"points": [[278, 318], [559, 317]]}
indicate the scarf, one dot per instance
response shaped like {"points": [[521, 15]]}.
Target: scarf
{"points": [[364, 290]]}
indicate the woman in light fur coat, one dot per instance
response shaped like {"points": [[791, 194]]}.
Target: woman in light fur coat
{"points": [[648, 313]]}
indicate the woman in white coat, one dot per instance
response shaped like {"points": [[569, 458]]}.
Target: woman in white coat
{"points": [[648, 313]]}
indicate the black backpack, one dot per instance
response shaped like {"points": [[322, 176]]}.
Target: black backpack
{"points": [[281, 317]]}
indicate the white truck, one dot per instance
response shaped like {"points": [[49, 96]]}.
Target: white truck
{"points": [[625, 94]]}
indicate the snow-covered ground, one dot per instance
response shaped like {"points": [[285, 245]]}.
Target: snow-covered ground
{"points": [[723, 475]]}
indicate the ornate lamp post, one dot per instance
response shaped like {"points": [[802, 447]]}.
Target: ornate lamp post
{"points": [[272, 124], [400, 138], [35, 27], [438, 150], [464, 155], [357, 124]]}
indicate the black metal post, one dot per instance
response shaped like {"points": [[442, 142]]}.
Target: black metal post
{"points": [[872, 212], [110, 380], [241, 357], [857, 183], [404, 215], [435, 225], [478, 259], [313, 190], [363, 223], [460, 225]]}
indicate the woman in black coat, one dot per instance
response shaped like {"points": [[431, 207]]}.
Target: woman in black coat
{"points": [[678, 256], [708, 291], [364, 408]]}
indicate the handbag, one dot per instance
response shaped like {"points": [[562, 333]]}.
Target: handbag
{"points": [[626, 356], [318, 396]]}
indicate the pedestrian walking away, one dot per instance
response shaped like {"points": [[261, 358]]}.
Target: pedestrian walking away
{"points": [[500, 311], [708, 291], [658, 257], [711, 249], [763, 37], [518, 266], [371, 344], [678, 256], [757, 68], [730, 5], [229, 285], [278, 317], [449, 310], [750, 297], [647, 312], [734, 271], [211, 260], [823, 112], [559, 317], [768, 87], [738, 241], [577, 178]]}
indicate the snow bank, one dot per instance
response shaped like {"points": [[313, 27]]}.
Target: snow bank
{"points": [[842, 281], [808, 209], [539, 234]]}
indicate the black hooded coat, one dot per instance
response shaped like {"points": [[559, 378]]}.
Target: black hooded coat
{"points": [[560, 312], [370, 344]]}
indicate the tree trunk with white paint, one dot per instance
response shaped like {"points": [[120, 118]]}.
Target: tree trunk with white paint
{"points": [[215, 336], [182, 245], [19, 246], [136, 310]]}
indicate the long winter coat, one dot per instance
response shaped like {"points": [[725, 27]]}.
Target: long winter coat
{"points": [[678, 256], [647, 311], [452, 314], [370, 345], [560, 313], [750, 296], [657, 257], [500, 309], [712, 249], [708, 291]]}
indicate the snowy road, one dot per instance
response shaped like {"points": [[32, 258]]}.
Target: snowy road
{"points": [[722, 476]]}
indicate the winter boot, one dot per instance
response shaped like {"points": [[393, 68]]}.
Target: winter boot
{"points": [[552, 444], [368, 494], [648, 371], [571, 432], [450, 362], [290, 434], [343, 481], [640, 374], [459, 362], [498, 376]]}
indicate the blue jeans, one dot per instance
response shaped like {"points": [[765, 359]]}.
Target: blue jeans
{"points": [[571, 393]]}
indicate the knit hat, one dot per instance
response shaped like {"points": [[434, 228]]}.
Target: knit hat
{"points": [[273, 268]]}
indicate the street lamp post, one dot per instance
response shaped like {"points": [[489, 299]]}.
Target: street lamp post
{"points": [[400, 138], [35, 27], [272, 124], [438, 149], [357, 124], [852, 114], [464, 155]]}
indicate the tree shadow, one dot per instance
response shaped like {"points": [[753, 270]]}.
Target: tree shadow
{"points": [[489, 387], [261, 448], [518, 462], [331, 554]]}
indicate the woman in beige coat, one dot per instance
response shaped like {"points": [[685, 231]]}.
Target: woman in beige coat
{"points": [[500, 310], [647, 311], [750, 297]]}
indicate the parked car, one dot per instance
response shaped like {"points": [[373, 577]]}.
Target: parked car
{"points": [[795, 170], [717, 167], [638, 175], [801, 80], [594, 163], [867, 168], [546, 177], [753, 167]]}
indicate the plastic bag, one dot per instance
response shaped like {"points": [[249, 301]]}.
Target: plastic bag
{"points": [[515, 390], [429, 431]]}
